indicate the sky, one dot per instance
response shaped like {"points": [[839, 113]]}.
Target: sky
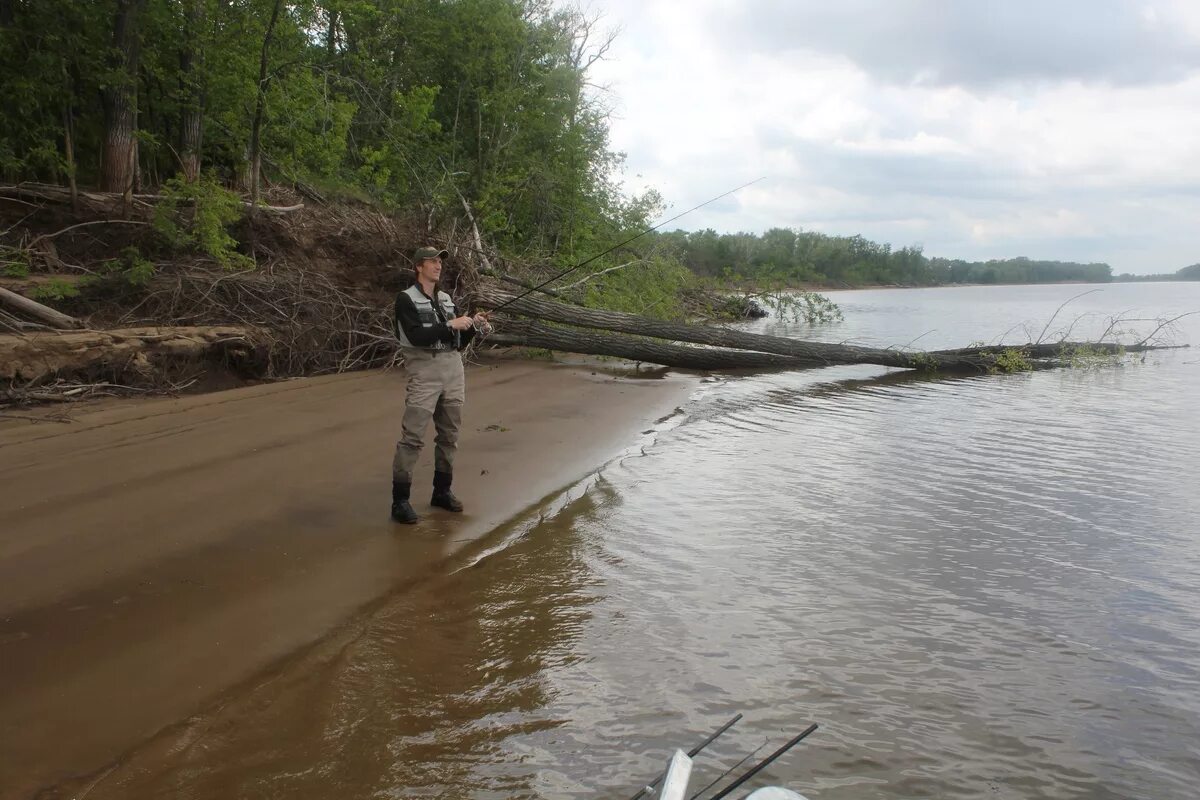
{"points": [[1056, 129]]}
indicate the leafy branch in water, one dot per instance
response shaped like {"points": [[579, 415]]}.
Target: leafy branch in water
{"points": [[771, 288], [1012, 359], [1086, 356], [809, 307]]}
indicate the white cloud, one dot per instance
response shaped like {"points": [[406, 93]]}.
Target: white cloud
{"points": [[1045, 167]]}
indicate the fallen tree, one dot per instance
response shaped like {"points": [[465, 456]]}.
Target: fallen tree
{"points": [[522, 333], [129, 354], [32, 308], [796, 352]]}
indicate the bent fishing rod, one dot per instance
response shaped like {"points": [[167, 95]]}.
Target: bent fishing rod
{"points": [[569, 270]]}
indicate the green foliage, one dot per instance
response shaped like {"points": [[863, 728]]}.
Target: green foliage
{"points": [[197, 215], [1086, 356], [923, 362], [773, 286], [54, 289], [138, 270], [1191, 273], [1012, 359], [403, 102], [16, 262], [795, 258], [1018, 270], [809, 307], [655, 288], [132, 268]]}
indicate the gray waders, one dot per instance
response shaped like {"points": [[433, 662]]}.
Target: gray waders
{"points": [[436, 390]]}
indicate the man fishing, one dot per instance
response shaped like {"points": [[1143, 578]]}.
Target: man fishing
{"points": [[431, 334]]}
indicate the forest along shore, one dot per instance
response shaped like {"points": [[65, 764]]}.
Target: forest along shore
{"points": [[156, 554]]}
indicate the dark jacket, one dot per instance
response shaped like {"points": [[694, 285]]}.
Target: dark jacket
{"points": [[421, 321]]}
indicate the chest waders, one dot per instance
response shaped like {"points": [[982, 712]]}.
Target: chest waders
{"points": [[436, 390]]}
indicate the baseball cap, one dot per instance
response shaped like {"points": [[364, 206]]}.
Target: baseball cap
{"points": [[423, 253]]}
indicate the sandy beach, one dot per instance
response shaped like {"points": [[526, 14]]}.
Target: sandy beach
{"points": [[156, 554]]}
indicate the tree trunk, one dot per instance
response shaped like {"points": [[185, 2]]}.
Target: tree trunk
{"points": [[191, 64], [119, 154], [331, 34], [7, 13], [818, 352], [69, 153], [980, 359], [260, 106], [124, 354], [32, 308], [574, 340]]}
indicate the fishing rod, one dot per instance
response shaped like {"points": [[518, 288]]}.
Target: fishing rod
{"points": [[569, 270], [725, 774], [762, 764], [691, 754]]}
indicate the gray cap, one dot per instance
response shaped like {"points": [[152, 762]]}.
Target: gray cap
{"points": [[422, 253]]}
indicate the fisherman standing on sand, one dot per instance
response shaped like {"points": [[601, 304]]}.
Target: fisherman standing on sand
{"points": [[431, 334]]}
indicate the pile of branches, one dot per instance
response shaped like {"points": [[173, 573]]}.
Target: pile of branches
{"points": [[311, 325], [318, 300]]}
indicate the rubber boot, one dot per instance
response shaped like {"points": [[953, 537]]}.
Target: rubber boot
{"points": [[402, 510], [442, 496]]}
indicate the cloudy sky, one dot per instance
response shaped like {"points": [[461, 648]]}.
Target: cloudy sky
{"points": [[1064, 129]]}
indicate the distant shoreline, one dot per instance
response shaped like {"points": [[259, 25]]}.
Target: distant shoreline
{"points": [[821, 288]]}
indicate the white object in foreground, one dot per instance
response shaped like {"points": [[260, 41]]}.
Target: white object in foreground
{"points": [[775, 793], [678, 772]]}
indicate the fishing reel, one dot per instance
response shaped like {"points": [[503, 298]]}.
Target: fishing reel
{"points": [[482, 326]]}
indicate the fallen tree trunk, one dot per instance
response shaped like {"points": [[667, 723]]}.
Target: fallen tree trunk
{"points": [[796, 352], [810, 353], [32, 308], [32, 358], [1052, 350], [519, 333]]}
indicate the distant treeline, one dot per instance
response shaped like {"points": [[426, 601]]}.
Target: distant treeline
{"points": [[1191, 273], [792, 257], [412, 105]]}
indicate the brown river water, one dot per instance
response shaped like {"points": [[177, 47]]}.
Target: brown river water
{"points": [[978, 587]]}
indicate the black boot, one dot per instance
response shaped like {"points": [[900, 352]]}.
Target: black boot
{"points": [[442, 496], [402, 511]]}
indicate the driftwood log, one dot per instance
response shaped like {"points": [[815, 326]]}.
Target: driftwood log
{"points": [[795, 352], [32, 358], [32, 308]]}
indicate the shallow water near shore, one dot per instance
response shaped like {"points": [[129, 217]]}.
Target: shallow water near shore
{"points": [[984, 586]]}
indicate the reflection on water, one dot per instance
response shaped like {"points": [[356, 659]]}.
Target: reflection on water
{"points": [[979, 587]]}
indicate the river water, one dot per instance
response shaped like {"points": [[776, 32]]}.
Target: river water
{"points": [[978, 587]]}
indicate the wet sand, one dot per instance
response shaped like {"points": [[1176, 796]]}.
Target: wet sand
{"points": [[155, 554]]}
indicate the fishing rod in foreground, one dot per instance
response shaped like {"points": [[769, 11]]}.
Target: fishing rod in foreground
{"points": [[649, 788], [762, 764], [569, 270]]}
